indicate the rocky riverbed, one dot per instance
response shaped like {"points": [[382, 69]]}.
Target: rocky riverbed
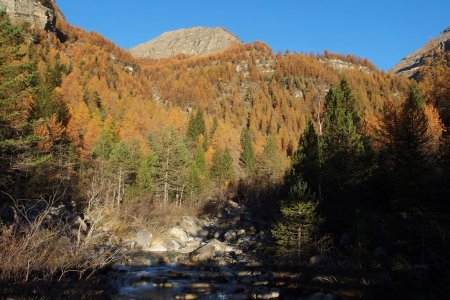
{"points": [[228, 256]]}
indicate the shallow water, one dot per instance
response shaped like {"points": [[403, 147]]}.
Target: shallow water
{"points": [[171, 281]]}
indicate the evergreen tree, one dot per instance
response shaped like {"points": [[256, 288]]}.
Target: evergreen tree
{"points": [[105, 144], [270, 163], [172, 161], [299, 223], [122, 163], [352, 105], [146, 173], [198, 172], [222, 165], [414, 144], [306, 164], [197, 127], [342, 144], [248, 153], [406, 154], [344, 165], [17, 82]]}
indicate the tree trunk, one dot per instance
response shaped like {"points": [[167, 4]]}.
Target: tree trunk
{"points": [[166, 179], [119, 195]]}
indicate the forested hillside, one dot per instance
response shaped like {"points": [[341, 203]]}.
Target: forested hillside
{"points": [[338, 157]]}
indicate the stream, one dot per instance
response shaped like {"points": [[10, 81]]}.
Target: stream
{"points": [[151, 280]]}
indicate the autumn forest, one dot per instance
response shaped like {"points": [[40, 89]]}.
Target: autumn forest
{"points": [[350, 163]]}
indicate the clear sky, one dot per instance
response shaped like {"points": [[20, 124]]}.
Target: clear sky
{"points": [[383, 31]]}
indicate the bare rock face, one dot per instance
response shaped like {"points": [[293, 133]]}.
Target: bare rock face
{"points": [[192, 41], [39, 13], [341, 65], [410, 65]]}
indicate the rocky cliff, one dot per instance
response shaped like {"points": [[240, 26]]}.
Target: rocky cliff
{"points": [[39, 13], [192, 41], [409, 65]]}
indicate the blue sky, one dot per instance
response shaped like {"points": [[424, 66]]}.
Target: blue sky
{"points": [[383, 31]]}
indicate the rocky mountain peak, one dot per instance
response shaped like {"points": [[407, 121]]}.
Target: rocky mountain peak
{"points": [[191, 41], [410, 65], [41, 14]]}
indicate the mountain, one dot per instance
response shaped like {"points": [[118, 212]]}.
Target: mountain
{"points": [[102, 87], [191, 41], [410, 65]]}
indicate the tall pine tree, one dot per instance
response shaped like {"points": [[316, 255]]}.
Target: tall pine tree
{"points": [[248, 153], [343, 162]]}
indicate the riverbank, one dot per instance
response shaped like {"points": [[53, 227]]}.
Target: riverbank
{"points": [[230, 256]]}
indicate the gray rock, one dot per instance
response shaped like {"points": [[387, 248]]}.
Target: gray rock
{"points": [[240, 232], [230, 236], [191, 41], [210, 250], [191, 226], [143, 238], [174, 245], [157, 247], [191, 246], [317, 259], [178, 234], [203, 233], [410, 65], [233, 204], [33, 12]]}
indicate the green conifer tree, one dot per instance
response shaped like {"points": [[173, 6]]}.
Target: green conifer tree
{"points": [[299, 223], [248, 154], [197, 127], [172, 162], [270, 163], [222, 165], [307, 160]]}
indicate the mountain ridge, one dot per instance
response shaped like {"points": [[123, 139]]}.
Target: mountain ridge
{"points": [[410, 64]]}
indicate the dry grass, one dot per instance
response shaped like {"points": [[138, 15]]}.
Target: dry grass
{"points": [[38, 246]]}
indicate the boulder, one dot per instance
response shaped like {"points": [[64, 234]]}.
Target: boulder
{"points": [[203, 253], [191, 246], [233, 204], [158, 246], [174, 245], [191, 226], [230, 236], [317, 260], [240, 232], [143, 238], [178, 234], [203, 233], [210, 250]]}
